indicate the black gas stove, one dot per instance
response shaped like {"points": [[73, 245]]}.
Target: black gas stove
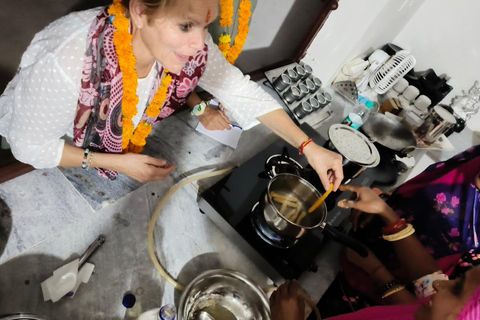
{"points": [[232, 204]]}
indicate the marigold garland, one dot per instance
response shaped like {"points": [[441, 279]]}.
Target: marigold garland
{"points": [[226, 13], [244, 14], [133, 139]]}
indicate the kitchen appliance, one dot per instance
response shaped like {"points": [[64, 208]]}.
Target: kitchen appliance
{"points": [[232, 204], [437, 122], [394, 69]]}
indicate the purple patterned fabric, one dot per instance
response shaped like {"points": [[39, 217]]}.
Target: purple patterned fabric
{"points": [[443, 204], [98, 122]]}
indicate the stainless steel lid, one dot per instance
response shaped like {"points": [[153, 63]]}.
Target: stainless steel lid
{"points": [[353, 145]]}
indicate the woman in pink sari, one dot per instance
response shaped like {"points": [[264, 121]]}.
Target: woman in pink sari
{"points": [[435, 296]]}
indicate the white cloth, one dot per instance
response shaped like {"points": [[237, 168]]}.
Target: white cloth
{"points": [[38, 106]]}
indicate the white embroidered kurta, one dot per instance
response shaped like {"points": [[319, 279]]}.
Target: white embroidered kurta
{"points": [[39, 105]]}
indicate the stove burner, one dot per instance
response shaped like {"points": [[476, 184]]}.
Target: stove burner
{"points": [[281, 163], [265, 232]]}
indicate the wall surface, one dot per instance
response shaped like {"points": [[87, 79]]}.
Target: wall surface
{"points": [[276, 29], [357, 28], [445, 36]]}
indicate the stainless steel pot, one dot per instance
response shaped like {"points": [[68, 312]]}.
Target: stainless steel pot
{"points": [[389, 133], [223, 294], [289, 185]]}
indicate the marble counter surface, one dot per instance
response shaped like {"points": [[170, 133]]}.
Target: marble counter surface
{"points": [[55, 214]]}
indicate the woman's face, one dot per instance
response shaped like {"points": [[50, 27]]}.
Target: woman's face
{"points": [[451, 296], [173, 36]]}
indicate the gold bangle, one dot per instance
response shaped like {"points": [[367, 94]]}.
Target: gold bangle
{"points": [[393, 291], [402, 234]]}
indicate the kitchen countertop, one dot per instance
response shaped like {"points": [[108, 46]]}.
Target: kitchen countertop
{"points": [[56, 214]]}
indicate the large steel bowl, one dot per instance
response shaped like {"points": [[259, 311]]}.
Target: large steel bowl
{"points": [[223, 295], [389, 133]]}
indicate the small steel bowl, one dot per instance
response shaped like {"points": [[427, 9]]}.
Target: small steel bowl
{"points": [[223, 294]]}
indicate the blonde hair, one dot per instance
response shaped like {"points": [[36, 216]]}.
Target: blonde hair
{"points": [[152, 6]]}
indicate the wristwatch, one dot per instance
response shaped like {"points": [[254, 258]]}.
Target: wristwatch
{"points": [[199, 109]]}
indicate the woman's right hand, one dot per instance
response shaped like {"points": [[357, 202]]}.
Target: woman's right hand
{"points": [[367, 201], [144, 168]]}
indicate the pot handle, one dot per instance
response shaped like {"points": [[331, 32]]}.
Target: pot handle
{"points": [[343, 239]]}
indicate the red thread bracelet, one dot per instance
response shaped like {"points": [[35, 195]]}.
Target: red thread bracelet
{"points": [[394, 227], [303, 145]]}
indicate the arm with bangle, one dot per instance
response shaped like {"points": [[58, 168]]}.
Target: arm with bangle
{"points": [[411, 254], [326, 163], [138, 166]]}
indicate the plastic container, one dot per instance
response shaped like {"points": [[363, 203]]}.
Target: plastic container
{"points": [[359, 114], [167, 312]]}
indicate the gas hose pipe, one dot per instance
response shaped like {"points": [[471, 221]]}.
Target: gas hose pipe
{"points": [[154, 257]]}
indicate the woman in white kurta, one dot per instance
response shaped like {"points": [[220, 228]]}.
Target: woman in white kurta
{"points": [[39, 105]]}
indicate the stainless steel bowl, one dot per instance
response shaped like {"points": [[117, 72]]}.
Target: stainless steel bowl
{"points": [[224, 295], [22, 316]]}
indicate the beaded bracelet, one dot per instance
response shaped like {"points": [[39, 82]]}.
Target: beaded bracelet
{"points": [[391, 284], [394, 227], [303, 145], [84, 162], [402, 234], [89, 162]]}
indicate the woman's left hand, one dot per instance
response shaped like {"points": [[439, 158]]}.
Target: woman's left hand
{"points": [[215, 119], [326, 163]]}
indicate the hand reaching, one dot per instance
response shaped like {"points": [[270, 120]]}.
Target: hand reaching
{"points": [[367, 201], [215, 119], [326, 163], [285, 304], [144, 168]]}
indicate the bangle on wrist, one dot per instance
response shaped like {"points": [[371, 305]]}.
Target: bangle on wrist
{"points": [[402, 234], [394, 227], [303, 145], [393, 291], [85, 156], [390, 284], [89, 161]]}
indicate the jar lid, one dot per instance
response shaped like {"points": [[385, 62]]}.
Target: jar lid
{"points": [[445, 115], [401, 85], [410, 93], [422, 102], [353, 145]]}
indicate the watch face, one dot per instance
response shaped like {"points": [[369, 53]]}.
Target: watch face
{"points": [[199, 109]]}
